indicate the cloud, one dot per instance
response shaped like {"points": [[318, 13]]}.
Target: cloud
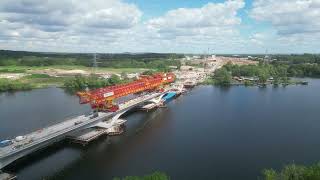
{"points": [[116, 26], [257, 39], [69, 25], [46, 15], [212, 18], [50, 15], [289, 16], [213, 26]]}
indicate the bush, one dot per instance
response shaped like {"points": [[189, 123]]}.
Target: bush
{"points": [[293, 172], [93, 81], [13, 85], [12, 70], [153, 176], [38, 76], [222, 77]]}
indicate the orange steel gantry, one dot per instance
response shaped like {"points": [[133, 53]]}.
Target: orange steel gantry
{"points": [[103, 98]]}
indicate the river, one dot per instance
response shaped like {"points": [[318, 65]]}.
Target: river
{"points": [[208, 133]]}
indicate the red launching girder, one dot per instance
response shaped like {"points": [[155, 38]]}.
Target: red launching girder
{"points": [[102, 98]]}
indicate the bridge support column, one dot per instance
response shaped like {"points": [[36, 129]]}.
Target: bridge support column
{"points": [[157, 100], [153, 103], [114, 125]]}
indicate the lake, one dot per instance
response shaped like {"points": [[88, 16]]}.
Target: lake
{"points": [[208, 133]]}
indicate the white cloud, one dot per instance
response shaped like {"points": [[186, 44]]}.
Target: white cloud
{"points": [[211, 19], [50, 25], [258, 39], [213, 26], [294, 25], [289, 16], [48, 15], [115, 26]]}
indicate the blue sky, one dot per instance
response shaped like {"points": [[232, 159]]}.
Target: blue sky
{"points": [[182, 26], [155, 8]]}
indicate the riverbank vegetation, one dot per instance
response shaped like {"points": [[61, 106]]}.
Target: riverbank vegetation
{"points": [[44, 80], [280, 68], [13, 85], [31, 81], [275, 70], [222, 77], [153, 176], [264, 73], [91, 82], [293, 172]]}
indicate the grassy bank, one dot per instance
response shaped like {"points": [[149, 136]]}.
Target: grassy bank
{"points": [[44, 80], [14, 85], [31, 82], [208, 81]]}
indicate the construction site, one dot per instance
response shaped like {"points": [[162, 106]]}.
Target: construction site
{"points": [[108, 104]]}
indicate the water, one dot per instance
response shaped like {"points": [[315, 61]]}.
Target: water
{"points": [[209, 133]]}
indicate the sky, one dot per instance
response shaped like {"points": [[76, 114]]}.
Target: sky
{"points": [[163, 26]]}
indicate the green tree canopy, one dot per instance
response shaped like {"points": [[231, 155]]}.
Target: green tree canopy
{"points": [[222, 77]]}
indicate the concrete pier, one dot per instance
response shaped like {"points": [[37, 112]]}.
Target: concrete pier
{"points": [[7, 176], [89, 136]]}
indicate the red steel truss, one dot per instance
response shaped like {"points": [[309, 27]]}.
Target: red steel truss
{"points": [[102, 98]]}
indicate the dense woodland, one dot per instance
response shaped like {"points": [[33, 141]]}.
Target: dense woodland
{"points": [[125, 60]]}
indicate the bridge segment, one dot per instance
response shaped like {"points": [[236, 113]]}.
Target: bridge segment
{"points": [[42, 138]]}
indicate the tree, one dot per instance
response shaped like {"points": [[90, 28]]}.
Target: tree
{"points": [[270, 174], [293, 172], [222, 77], [149, 72], [114, 79], [263, 76]]}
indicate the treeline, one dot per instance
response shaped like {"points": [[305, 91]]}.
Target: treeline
{"points": [[293, 172], [282, 58], [147, 60], [93, 81], [5, 54], [275, 70], [279, 73], [124, 63], [296, 59]]}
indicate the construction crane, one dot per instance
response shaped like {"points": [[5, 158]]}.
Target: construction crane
{"points": [[102, 99]]}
